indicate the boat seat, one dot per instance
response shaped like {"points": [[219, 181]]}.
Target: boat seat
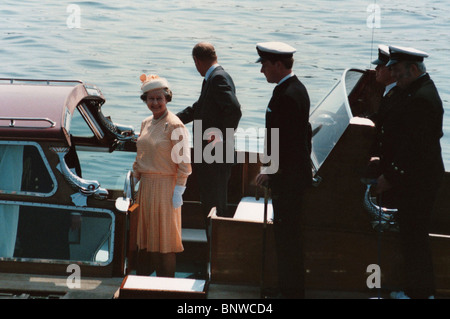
{"points": [[194, 235], [251, 209]]}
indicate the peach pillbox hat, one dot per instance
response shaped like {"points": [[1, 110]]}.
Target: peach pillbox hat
{"points": [[152, 82]]}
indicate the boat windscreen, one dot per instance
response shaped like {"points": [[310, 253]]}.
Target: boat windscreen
{"points": [[84, 124], [331, 116]]}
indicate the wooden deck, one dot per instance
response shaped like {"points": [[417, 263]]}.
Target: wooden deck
{"points": [[40, 286], [25, 286]]}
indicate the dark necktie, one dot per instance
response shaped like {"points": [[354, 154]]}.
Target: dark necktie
{"points": [[203, 85]]}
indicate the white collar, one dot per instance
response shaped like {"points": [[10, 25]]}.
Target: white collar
{"points": [[389, 87], [286, 77], [210, 70]]}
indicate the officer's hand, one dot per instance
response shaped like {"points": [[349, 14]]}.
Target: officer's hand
{"points": [[262, 180]]}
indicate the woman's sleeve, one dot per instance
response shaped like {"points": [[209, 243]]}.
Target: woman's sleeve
{"points": [[136, 172], [181, 153]]}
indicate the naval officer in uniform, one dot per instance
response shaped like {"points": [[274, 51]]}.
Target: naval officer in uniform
{"points": [[388, 100], [383, 75], [287, 112], [412, 166]]}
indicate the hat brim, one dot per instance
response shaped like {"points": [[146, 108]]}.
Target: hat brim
{"points": [[379, 62], [272, 57], [392, 62]]}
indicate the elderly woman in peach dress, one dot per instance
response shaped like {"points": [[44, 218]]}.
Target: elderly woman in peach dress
{"points": [[162, 172]]}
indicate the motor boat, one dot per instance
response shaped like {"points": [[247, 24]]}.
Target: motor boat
{"points": [[52, 220]]}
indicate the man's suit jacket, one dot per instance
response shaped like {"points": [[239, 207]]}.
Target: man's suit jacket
{"points": [[217, 106], [288, 111]]}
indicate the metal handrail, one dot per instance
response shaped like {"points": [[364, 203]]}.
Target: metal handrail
{"points": [[48, 82], [35, 119]]}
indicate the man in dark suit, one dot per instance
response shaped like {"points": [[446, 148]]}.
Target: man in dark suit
{"points": [[216, 111], [411, 165], [288, 115]]}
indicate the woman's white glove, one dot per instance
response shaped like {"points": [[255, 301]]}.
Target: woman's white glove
{"points": [[177, 199]]}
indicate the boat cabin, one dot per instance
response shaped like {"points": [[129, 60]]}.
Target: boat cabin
{"points": [[50, 217]]}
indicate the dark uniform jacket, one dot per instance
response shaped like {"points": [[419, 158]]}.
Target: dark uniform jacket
{"points": [[217, 106], [410, 138], [288, 111], [387, 102]]}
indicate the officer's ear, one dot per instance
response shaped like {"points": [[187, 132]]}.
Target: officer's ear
{"points": [[278, 64], [416, 68]]}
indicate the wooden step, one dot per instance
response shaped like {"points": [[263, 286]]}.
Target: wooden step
{"points": [[162, 287]]}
